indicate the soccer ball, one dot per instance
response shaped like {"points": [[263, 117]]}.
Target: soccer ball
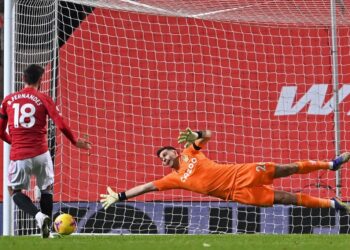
{"points": [[65, 224]]}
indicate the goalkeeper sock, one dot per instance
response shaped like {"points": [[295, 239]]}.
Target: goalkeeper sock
{"points": [[25, 203], [305, 167], [46, 204], [312, 202]]}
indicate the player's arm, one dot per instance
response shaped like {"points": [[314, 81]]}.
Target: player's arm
{"points": [[113, 197], [198, 138], [141, 189], [58, 120]]}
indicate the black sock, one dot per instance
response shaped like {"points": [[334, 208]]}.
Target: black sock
{"points": [[46, 204], [25, 203]]}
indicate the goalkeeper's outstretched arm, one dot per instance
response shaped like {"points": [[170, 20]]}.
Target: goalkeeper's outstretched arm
{"points": [[141, 189], [113, 197]]}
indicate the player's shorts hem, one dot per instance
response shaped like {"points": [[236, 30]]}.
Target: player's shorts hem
{"points": [[256, 196]]}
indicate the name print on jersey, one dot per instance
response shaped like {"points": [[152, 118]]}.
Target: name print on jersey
{"points": [[24, 113], [28, 96]]}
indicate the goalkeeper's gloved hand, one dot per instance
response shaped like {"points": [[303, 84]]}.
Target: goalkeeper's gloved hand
{"points": [[188, 136], [109, 199]]}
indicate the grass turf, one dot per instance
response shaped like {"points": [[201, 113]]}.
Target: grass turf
{"points": [[181, 242]]}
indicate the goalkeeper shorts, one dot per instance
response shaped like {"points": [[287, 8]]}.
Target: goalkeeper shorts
{"points": [[253, 184]]}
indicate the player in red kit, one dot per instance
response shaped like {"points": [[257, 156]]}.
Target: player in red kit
{"points": [[25, 114]]}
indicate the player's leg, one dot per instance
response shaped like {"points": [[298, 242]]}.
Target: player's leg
{"points": [[304, 167], [300, 199], [301, 167], [46, 201], [23, 202], [18, 179], [44, 173]]}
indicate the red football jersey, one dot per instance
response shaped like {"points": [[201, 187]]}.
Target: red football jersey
{"points": [[26, 113]]}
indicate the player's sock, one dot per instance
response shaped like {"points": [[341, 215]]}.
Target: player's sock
{"points": [[46, 204], [25, 203], [312, 202], [305, 167]]}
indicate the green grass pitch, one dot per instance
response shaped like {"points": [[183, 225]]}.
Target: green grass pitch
{"points": [[181, 242]]}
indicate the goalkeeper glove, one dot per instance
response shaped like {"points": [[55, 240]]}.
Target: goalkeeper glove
{"points": [[109, 199], [188, 136]]}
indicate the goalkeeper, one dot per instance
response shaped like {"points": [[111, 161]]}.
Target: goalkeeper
{"points": [[248, 183]]}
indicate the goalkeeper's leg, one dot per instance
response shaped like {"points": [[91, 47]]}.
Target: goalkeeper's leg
{"points": [[305, 167], [300, 199], [304, 200]]}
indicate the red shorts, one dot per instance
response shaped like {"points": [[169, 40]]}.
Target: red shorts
{"points": [[252, 184]]}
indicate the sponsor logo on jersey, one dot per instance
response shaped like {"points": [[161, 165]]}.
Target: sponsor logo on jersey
{"points": [[190, 168]]}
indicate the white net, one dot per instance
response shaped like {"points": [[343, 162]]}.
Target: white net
{"points": [[132, 74]]}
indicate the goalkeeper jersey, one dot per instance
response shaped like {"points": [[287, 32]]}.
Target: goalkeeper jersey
{"points": [[199, 174], [25, 112]]}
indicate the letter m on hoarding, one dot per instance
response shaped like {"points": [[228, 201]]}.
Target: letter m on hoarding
{"points": [[314, 98]]}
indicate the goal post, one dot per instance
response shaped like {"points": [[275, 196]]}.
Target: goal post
{"points": [[7, 219], [270, 79]]}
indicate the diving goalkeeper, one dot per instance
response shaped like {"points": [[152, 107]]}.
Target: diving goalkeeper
{"points": [[248, 183]]}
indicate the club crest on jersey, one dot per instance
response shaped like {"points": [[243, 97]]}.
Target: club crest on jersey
{"points": [[192, 164], [185, 158]]}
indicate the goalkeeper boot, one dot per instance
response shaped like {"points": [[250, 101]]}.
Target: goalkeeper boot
{"points": [[341, 206], [43, 222], [340, 160]]}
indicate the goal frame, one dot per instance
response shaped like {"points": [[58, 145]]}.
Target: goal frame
{"points": [[9, 83]]}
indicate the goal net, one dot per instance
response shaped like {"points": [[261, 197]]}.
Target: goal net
{"points": [[131, 74]]}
